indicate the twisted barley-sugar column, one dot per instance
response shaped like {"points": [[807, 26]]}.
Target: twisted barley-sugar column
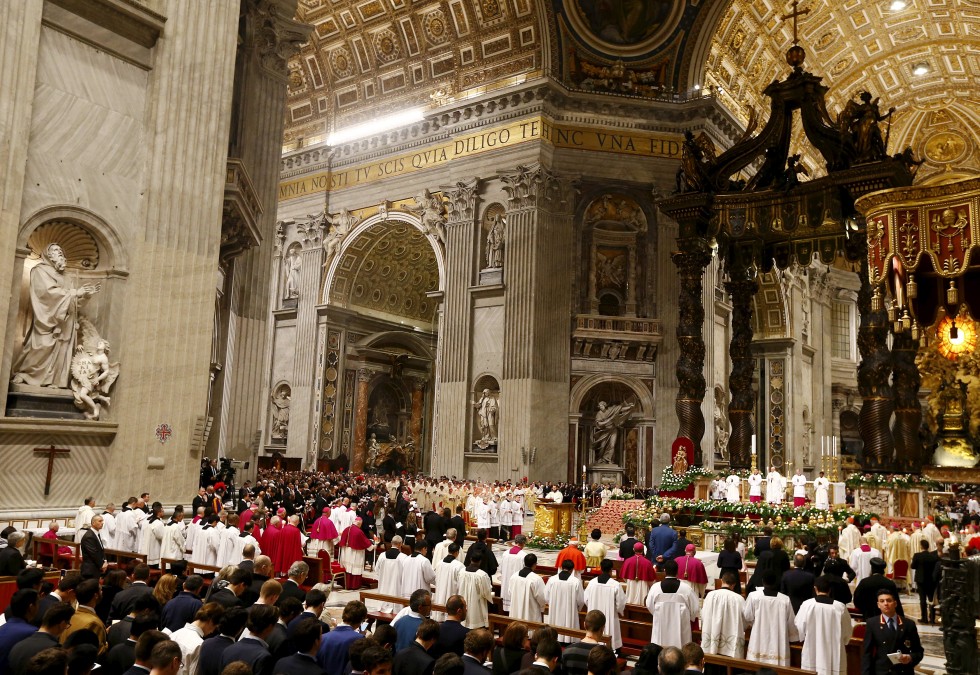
{"points": [[873, 375], [908, 411], [741, 290], [690, 262]]}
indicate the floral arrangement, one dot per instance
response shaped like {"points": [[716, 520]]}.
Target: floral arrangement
{"points": [[624, 496], [741, 473], [555, 543], [797, 530], [890, 480], [671, 482]]}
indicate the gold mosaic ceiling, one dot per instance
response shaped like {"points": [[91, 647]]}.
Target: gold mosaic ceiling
{"points": [[374, 57], [857, 45]]}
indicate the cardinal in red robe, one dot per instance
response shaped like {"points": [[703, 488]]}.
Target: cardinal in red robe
{"points": [[572, 553], [639, 575], [290, 546], [691, 570], [354, 545], [272, 540]]}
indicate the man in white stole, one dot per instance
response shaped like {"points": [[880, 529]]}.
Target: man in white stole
{"points": [[722, 625], [566, 598], [447, 580], [606, 595], [825, 627], [775, 486], [770, 614], [510, 564], [389, 571], [527, 596], [416, 570], [673, 605], [475, 587]]}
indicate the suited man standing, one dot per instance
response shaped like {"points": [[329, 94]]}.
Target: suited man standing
{"points": [[477, 646], [626, 545], [866, 593], [253, 649], [887, 634], [306, 639], [797, 583], [415, 659], [924, 564], [93, 550]]}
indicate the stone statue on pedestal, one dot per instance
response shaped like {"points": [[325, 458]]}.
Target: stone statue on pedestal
{"points": [[91, 373], [608, 422], [292, 263], [46, 355], [495, 243], [281, 399], [487, 410]]}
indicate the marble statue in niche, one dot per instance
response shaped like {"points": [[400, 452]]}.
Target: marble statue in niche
{"points": [[92, 375], [609, 421], [488, 412], [373, 450], [281, 398], [292, 263], [46, 354], [495, 243]]}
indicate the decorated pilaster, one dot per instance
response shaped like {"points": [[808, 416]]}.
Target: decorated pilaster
{"points": [[537, 295], [359, 456]]}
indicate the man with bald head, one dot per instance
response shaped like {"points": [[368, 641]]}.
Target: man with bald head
{"points": [[262, 571]]}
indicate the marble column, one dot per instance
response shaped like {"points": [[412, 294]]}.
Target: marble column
{"points": [[690, 261], [453, 406], [741, 290], [359, 455], [418, 411]]}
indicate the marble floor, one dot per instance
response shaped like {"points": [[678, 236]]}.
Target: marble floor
{"points": [[932, 639]]}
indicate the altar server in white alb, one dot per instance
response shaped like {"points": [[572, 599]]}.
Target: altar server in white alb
{"points": [[673, 605], [226, 542], [475, 587], [108, 532], [389, 571], [153, 536], [416, 570], [732, 493], [447, 580], [605, 594], [722, 625], [825, 627], [527, 596], [755, 486], [172, 546], [799, 488], [821, 492], [770, 614], [775, 486], [566, 598], [510, 563]]}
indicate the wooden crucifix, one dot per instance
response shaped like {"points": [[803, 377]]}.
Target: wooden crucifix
{"points": [[51, 452], [794, 15]]}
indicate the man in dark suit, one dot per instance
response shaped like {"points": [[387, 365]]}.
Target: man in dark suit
{"points": [[252, 650], [306, 638], [64, 593], [12, 557], [212, 649], [54, 623], [887, 634], [415, 658], [435, 529], [797, 583], [488, 563], [459, 524], [262, 571], [626, 544], [924, 564], [226, 593], [144, 648], [298, 572], [181, 610], [476, 650], [452, 632], [762, 543], [122, 657], [315, 601], [124, 601], [546, 657], [376, 661], [93, 551], [866, 593]]}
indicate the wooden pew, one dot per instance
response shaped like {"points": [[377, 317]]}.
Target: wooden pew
{"points": [[386, 617], [8, 586], [45, 551], [734, 666], [499, 623]]}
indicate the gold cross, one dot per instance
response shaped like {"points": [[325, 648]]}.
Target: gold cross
{"points": [[794, 15]]}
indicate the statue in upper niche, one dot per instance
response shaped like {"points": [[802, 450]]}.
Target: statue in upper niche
{"points": [[46, 355], [495, 243], [292, 263]]}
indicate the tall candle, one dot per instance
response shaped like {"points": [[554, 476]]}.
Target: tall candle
{"points": [[753, 444]]}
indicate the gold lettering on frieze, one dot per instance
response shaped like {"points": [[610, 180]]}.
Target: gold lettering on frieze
{"points": [[638, 144]]}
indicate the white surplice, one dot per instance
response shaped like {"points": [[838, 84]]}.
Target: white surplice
{"points": [[849, 539], [389, 571], [860, 562], [417, 573], [527, 597], [226, 547], [439, 553], [565, 598], [672, 614], [636, 591], [722, 625], [447, 585], [773, 627], [108, 532], [151, 541], [510, 564], [477, 591], [82, 518], [825, 628], [799, 485], [172, 546], [609, 599], [755, 485]]}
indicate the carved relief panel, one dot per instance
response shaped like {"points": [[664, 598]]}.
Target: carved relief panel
{"points": [[617, 225]]}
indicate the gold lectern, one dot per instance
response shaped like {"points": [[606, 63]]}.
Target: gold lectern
{"points": [[551, 519]]}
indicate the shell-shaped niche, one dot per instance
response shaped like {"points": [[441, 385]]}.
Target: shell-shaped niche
{"points": [[80, 248]]}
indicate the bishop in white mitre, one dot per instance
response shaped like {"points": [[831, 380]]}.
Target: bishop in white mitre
{"points": [[447, 580], [527, 596], [510, 563], [731, 491], [475, 587], [417, 571], [389, 570], [775, 486], [722, 625], [566, 598], [770, 614], [673, 606], [605, 594], [825, 627]]}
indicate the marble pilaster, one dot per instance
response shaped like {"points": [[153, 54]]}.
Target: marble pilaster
{"points": [[418, 410], [359, 454]]}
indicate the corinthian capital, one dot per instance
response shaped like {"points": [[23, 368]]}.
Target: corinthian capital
{"points": [[275, 34], [532, 185], [461, 204]]}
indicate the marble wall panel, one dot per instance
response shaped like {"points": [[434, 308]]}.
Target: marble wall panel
{"points": [[488, 338]]}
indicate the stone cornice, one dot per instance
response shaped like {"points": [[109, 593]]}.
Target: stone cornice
{"points": [[541, 96]]}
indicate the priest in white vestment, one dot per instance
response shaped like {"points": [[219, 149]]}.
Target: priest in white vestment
{"points": [[849, 539], [447, 580], [389, 570], [83, 517], [722, 625], [897, 547], [732, 494], [510, 563], [566, 598], [441, 550], [153, 536], [860, 560], [475, 587], [825, 627], [606, 595], [417, 571], [527, 596], [172, 546], [482, 511], [108, 533], [775, 486], [673, 606], [226, 543], [821, 492], [770, 614], [879, 531], [931, 533]]}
